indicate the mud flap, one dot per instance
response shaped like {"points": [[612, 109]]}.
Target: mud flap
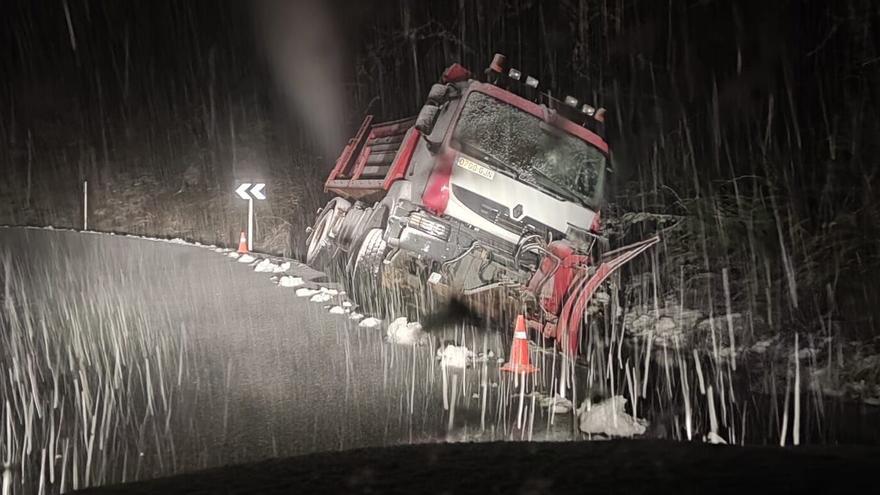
{"points": [[583, 288]]}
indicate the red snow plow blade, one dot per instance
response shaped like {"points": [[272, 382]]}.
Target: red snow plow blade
{"points": [[583, 287]]}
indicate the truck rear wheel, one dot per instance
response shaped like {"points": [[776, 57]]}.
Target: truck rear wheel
{"points": [[366, 276]]}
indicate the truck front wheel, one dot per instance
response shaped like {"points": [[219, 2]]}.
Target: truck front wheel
{"points": [[319, 243], [366, 276]]}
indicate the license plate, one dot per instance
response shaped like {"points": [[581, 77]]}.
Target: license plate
{"points": [[472, 166]]}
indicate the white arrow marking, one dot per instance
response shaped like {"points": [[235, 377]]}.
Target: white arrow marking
{"points": [[257, 191], [242, 190]]}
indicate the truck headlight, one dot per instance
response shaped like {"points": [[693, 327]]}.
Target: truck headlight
{"points": [[429, 225]]}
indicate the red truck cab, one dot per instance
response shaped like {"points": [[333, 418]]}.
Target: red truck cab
{"points": [[494, 189]]}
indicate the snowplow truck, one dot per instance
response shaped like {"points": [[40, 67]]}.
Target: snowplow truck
{"points": [[491, 194]]}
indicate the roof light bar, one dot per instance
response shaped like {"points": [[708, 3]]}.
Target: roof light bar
{"points": [[514, 74], [531, 82], [498, 62], [571, 101], [589, 110]]}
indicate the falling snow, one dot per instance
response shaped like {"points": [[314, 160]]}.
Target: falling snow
{"points": [[132, 348]]}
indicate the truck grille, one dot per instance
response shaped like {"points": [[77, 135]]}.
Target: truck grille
{"points": [[500, 214]]}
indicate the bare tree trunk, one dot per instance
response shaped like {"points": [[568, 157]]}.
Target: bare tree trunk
{"points": [[105, 147], [462, 27], [30, 162], [550, 65], [411, 36], [232, 143]]}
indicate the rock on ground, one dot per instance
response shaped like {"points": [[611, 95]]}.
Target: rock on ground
{"points": [[454, 356], [369, 322], [401, 331], [610, 418]]}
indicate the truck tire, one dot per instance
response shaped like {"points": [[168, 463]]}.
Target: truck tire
{"points": [[366, 276], [319, 245]]}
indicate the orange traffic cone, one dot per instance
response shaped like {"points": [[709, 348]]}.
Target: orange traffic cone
{"points": [[242, 243], [519, 350]]}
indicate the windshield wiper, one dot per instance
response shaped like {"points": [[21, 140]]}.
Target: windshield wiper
{"points": [[555, 188]]}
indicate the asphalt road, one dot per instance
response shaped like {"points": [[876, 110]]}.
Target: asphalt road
{"points": [[172, 358], [262, 373]]}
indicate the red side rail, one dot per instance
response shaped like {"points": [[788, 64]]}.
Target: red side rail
{"points": [[372, 160], [343, 163]]}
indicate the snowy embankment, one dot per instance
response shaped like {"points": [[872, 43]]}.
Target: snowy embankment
{"points": [[833, 367], [290, 275]]}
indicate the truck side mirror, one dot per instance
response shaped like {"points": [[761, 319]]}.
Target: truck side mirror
{"points": [[427, 118]]}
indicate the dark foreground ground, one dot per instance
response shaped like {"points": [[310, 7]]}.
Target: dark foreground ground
{"points": [[534, 468]]}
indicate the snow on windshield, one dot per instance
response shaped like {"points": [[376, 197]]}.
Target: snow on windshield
{"points": [[508, 136]]}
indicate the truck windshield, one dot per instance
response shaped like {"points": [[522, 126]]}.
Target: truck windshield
{"points": [[537, 151]]}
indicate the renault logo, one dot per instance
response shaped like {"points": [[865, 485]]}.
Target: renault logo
{"points": [[517, 211]]}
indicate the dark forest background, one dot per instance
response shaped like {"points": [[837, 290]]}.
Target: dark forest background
{"points": [[747, 131]]}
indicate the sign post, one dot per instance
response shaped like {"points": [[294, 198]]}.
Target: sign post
{"points": [[249, 191], [85, 205]]}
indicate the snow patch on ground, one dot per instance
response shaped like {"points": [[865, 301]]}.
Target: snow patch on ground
{"points": [[484, 357], [400, 331], [306, 292], [220, 250], [807, 353], [714, 439], [246, 258], [265, 266], [320, 297], [559, 405], [453, 356], [283, 267], [233, 255], [859, 379], [610, 418], [370, 322], [665, 328], [355, 316], [288, 281], [762, 346], [336, 310]]}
